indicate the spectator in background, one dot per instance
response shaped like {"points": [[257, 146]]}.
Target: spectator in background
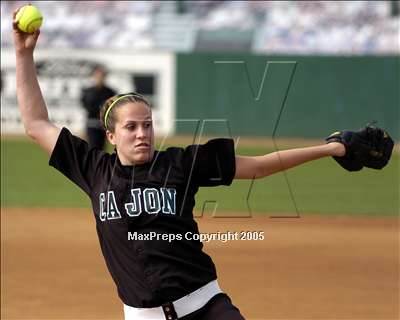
{"points": [[92, 98]]}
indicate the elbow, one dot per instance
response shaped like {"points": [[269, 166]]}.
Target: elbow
{"points": [[30, 132], [34, 128], [266, 171], [260, 173]]}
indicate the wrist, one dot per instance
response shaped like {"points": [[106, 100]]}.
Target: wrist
{"points": [[24, 54], [336, 149], [24, 59]]}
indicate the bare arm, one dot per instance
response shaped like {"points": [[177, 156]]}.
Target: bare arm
{"points": [[262, 166], [30, 100]]}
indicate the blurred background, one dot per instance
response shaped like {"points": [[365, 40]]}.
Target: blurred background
{"points": [[310, 27], [270, 74], [294, 71], [346, 55]]}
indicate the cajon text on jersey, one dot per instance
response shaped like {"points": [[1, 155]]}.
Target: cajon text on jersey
{"points": [[148, 200]]}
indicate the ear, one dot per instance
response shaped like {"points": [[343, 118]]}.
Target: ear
{"points": [[111, 137]]}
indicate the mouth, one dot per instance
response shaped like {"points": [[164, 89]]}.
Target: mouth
{"points": [[142, 145]]}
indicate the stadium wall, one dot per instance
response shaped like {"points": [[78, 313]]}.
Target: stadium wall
{"points": [[234, 94], [63, 73], [245, 94]]}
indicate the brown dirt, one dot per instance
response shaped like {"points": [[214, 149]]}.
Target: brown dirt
{"points": [[307, 268]]}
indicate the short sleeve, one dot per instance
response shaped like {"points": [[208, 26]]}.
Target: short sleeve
{"points": [[75, 160], [210, 164]]}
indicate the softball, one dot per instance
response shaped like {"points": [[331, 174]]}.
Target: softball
{"points": [[29, 18]]}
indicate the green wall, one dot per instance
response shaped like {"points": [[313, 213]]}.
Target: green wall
{"points": [[326, 93]]}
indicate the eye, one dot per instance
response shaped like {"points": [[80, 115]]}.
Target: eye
{"points": [[147, 124], [130, 127]]}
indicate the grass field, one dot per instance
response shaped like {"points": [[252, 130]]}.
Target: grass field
{"points": [[317, 187]]}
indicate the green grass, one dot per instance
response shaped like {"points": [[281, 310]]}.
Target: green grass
{"points": [[318, 187], [28, 181]]}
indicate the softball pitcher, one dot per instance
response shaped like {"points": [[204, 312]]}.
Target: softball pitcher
{"points": [[147, 194]]}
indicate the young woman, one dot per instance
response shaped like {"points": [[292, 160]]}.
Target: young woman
{"points": [[139, 195]]}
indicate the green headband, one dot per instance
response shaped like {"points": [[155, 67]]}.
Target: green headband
{"points": [[114, 103]]}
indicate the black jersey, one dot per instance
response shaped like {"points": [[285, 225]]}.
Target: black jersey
{"points": [[133, 203]]}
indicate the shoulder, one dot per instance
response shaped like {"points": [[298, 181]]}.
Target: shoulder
{"points": [[212, 146], [172, 154], [217, 145], [71, 146]]}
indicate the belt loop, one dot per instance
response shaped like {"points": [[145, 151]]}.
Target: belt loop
{"points": [[169, 311]]}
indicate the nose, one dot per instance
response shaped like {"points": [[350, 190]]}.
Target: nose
{"points": [[141, 132]]}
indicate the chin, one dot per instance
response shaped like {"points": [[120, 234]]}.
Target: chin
{"points": [[143, 158]]}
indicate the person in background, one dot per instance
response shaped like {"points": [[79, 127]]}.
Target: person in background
{"points": [[92, 98]]}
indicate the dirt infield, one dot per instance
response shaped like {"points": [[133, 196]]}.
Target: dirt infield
{"points": [[307, 268]]}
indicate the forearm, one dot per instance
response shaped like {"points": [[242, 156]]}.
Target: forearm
{"points": [[286, 159], [262, 166], [30, 100]]}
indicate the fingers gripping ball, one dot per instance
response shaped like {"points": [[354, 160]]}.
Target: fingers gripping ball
{"points": [[369, 147], [29, 19]]}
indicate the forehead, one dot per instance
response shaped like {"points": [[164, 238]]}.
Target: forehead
{"points": [[133, 111]]}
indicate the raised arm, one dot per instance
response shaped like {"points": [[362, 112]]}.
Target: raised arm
{"points": [[30, 100], [262, 166]]}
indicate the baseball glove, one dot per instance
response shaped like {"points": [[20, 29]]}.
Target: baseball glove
{"points": [[369, 147]]}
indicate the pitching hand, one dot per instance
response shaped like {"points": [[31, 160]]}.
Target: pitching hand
{"points": [[23, 42]]}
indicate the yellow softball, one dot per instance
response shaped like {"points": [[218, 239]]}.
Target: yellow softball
{"points": [[29, 18]]}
